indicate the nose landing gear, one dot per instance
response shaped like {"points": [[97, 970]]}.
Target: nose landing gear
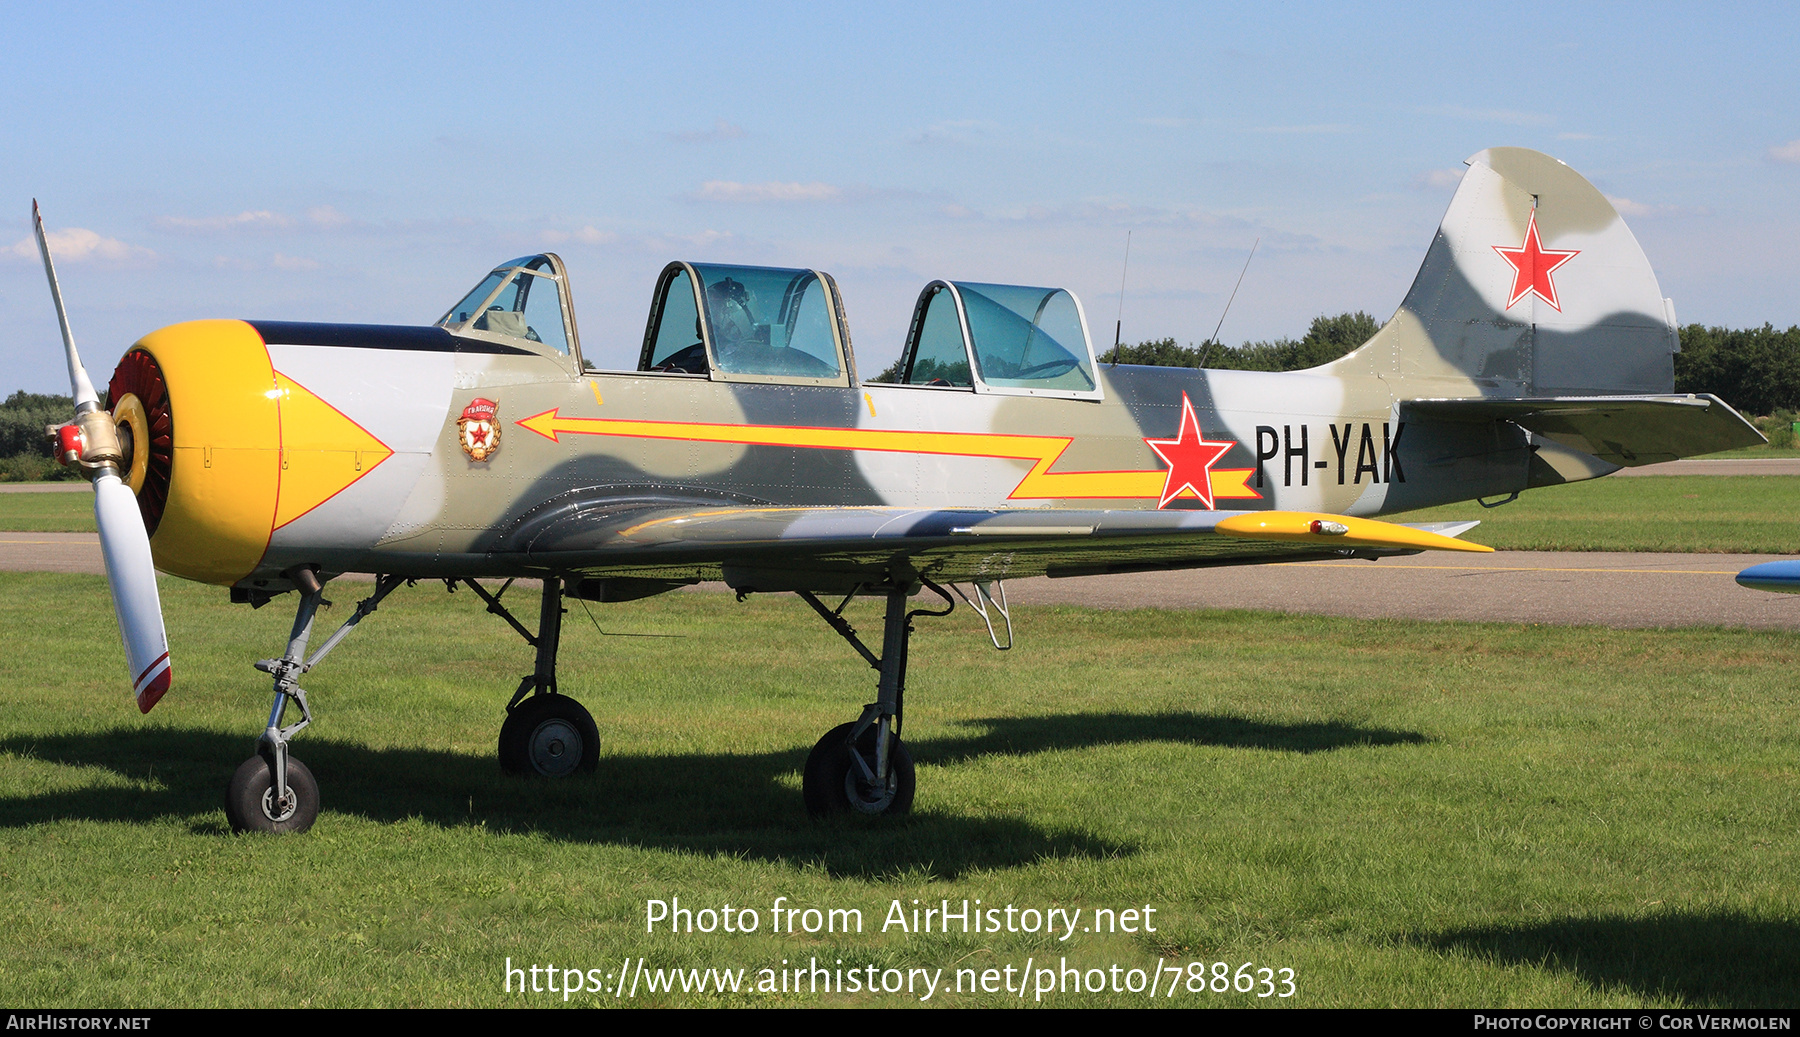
{"points": [[272, 791]]}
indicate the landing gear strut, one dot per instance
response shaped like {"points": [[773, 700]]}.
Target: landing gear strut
{"points": [[546, 734], [272, 791], [862, 767]]}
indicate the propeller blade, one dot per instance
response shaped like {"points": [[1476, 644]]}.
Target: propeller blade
{"points": [[132, 574], [79, 385], [130, 569]]}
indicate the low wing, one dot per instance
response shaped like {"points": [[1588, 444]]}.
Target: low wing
{"points": [[1624, 430], [825, 548]]}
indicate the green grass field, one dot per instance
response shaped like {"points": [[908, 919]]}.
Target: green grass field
{"points": [[1401, 813], [1737, 514], [1754, 452], [47, 512]]}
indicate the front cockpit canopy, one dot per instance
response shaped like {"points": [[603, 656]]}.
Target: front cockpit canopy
{"points": [[1009, 339], [746, 322], [523, 299]]}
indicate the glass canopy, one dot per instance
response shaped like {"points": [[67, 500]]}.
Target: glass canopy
{"points": [[521, 299], [1000, 338], [746, 322]]}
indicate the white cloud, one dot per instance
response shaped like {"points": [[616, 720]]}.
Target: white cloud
{"points": [[771, 191], [1789, 152], [721, 130], [77, 244], [588, 235], [1437, 179], [327, 217], [260, 219], [1311, 129], [1627, 207], [318, 217], [1500, 115], [282, 262], [954, 132]]}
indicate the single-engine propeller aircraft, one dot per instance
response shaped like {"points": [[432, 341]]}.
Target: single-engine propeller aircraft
{"points": [[1534, 348]]}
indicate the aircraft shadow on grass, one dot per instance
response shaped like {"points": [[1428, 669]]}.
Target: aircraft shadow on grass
{"points": [[1020, 735], [710, 803], [1706, 958]]}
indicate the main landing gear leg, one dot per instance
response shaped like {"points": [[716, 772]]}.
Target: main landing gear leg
{"points": [[546, 734], [862, 767], [272, 791]]}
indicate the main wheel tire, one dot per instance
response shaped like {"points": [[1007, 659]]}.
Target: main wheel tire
{"points": [[549, 736], [834, 785], [251, 806]]}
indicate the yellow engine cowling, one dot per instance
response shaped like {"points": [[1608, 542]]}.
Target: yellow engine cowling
{"points": [[218, 405]]}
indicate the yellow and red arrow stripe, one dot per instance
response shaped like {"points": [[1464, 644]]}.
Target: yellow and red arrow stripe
{"points": [[1039, 483]]}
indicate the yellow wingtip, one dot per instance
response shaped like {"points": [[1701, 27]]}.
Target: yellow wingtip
{"points": [[1298, 527]]}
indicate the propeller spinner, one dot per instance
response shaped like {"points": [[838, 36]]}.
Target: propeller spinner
{"points": [[92, 440]]}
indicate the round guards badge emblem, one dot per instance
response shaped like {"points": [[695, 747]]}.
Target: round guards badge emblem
{"points": [[478, 430]]}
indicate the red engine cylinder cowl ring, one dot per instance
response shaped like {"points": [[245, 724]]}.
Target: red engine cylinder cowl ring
{"points": [[139, 375]]}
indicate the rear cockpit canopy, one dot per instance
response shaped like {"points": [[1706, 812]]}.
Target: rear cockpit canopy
{"points": [[522, 300], [997, 338], [747, 323]]}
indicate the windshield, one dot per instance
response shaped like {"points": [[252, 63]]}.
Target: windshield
{"points": [[521, 299]]}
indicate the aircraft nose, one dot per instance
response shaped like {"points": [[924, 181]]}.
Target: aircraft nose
{"points": [[207, 390]]}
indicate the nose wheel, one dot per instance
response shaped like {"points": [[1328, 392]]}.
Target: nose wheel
{"points": [[252, 803], [272, 791]]}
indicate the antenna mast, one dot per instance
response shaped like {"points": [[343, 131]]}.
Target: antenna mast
{"points": [[1120, 322], [1206, 347]]}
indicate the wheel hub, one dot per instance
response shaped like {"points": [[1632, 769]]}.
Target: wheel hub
{"points": [[278, 810], [867, 797], [555, 748]]}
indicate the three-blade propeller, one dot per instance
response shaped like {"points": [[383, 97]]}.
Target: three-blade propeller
{"points": [[129, 568]]}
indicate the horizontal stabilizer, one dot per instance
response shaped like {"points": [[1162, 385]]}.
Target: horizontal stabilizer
{"points": [[1449, 529], [1627, 431]]}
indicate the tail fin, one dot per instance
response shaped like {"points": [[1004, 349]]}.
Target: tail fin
{"points": [[1533, 287]]}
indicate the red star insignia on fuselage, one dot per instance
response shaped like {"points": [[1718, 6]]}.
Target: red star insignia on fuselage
{"points": [[1532, 265], [1190, 457]]}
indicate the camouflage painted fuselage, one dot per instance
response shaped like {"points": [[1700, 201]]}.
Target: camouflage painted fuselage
{"points": [[1531, 350]]}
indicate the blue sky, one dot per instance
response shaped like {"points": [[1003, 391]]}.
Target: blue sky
{"points": [[370, 162]]}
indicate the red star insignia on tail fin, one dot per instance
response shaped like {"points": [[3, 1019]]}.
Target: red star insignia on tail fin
{"points": [[1190, 457], [1532, 264]]}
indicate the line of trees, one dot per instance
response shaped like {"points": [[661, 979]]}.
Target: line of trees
{"points": [[1325, 340], [25, 454], [1756, 370]]}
